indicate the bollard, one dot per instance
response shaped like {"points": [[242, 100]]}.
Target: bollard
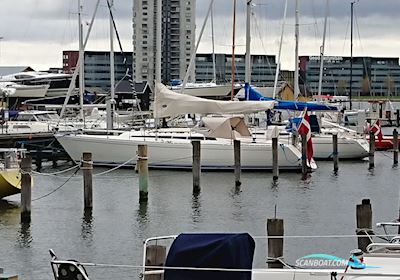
{"points": [[395, 147], [364, 223], [26, 192], [196, 166], [155, 256], [275, 245], [143, 170], [304, 169], [371, 150], [335, 154], [236, 148], [275, 166], [87, 169]]}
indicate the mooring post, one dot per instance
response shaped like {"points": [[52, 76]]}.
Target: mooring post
{"points": [[395, 147], [275, 165], [196, 166], [364, 223], [236, 148], [335, 154], [371, 150], [38, 160], [143, 170], [304, 169], [155, 256], [26, 192], [275, 245], [87, 169], [397, 117]]}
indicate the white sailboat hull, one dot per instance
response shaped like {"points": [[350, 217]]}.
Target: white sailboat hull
{"points": [[29, 91], [177, 153], [348, 147]]}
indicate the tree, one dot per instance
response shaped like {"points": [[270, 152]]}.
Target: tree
{"points": [[389, 83], [366, 86], [341, 87]]}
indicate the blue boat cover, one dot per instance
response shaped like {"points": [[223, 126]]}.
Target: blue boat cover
{"points": [[210, 250], [287, 104]]}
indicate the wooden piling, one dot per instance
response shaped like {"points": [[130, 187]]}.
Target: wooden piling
{"points": [[275, 164], [87, 169], [236, 148], [304, 169], [397, 117], [364, 223], [335, 154], [275, 245], [395, 147], [38, 159], [196, 166], [155, 256], [143, 170], [26, 192], [371, 150]]}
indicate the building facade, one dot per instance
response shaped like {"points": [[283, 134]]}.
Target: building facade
{"points": [[97, 66], [372, 76], [177, 44], [263, 68]]}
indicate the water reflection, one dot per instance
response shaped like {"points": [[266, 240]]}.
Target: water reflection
{"points": [[87, 226], [9, 213], [24, 238]]}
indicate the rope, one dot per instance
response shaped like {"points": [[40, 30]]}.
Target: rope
{"points": [[53, 191], [55, 173], [115, 168]]}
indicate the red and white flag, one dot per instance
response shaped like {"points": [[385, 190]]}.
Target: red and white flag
{"points": [[375, 128], [305, 129]]}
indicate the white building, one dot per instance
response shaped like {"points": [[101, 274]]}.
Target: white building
{"points": [[178, 39]]}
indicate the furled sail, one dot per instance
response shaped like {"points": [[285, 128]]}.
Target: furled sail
{"points": [[170, 104]]}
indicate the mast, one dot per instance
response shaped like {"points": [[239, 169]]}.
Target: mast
{"points": [[278, 65], [233, 49], [321, 68], [296, 61], [351, 55], [81, 59], [248, 55], [110, 118], [213, 46]]}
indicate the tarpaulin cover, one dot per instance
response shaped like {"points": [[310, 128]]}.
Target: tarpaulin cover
{"points": [[210, 250], [287, 104]]}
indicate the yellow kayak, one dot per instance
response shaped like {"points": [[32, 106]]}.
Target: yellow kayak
{"points": [[10, 182]]}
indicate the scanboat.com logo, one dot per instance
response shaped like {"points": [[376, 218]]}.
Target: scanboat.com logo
{"points": [[324, 260]]}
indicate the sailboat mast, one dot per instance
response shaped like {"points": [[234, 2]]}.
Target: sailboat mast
{"points": [[278, 65], [233, 49], [351, 55], [81, 59], [296, 61], [110, 123], [321, 67], [213, 46], [248, 55]]}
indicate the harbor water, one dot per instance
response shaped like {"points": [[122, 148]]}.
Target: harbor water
{"points": [[324, 204]]}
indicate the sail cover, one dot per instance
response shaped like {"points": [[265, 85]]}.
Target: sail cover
{"points": [[226, 127], [210, 250], [170, 104]]}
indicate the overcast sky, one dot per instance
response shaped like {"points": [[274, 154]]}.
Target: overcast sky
{"points": [[35, 32]]}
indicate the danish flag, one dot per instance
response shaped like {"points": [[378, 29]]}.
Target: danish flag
{"points": [[305, 129], [376, 130]]}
